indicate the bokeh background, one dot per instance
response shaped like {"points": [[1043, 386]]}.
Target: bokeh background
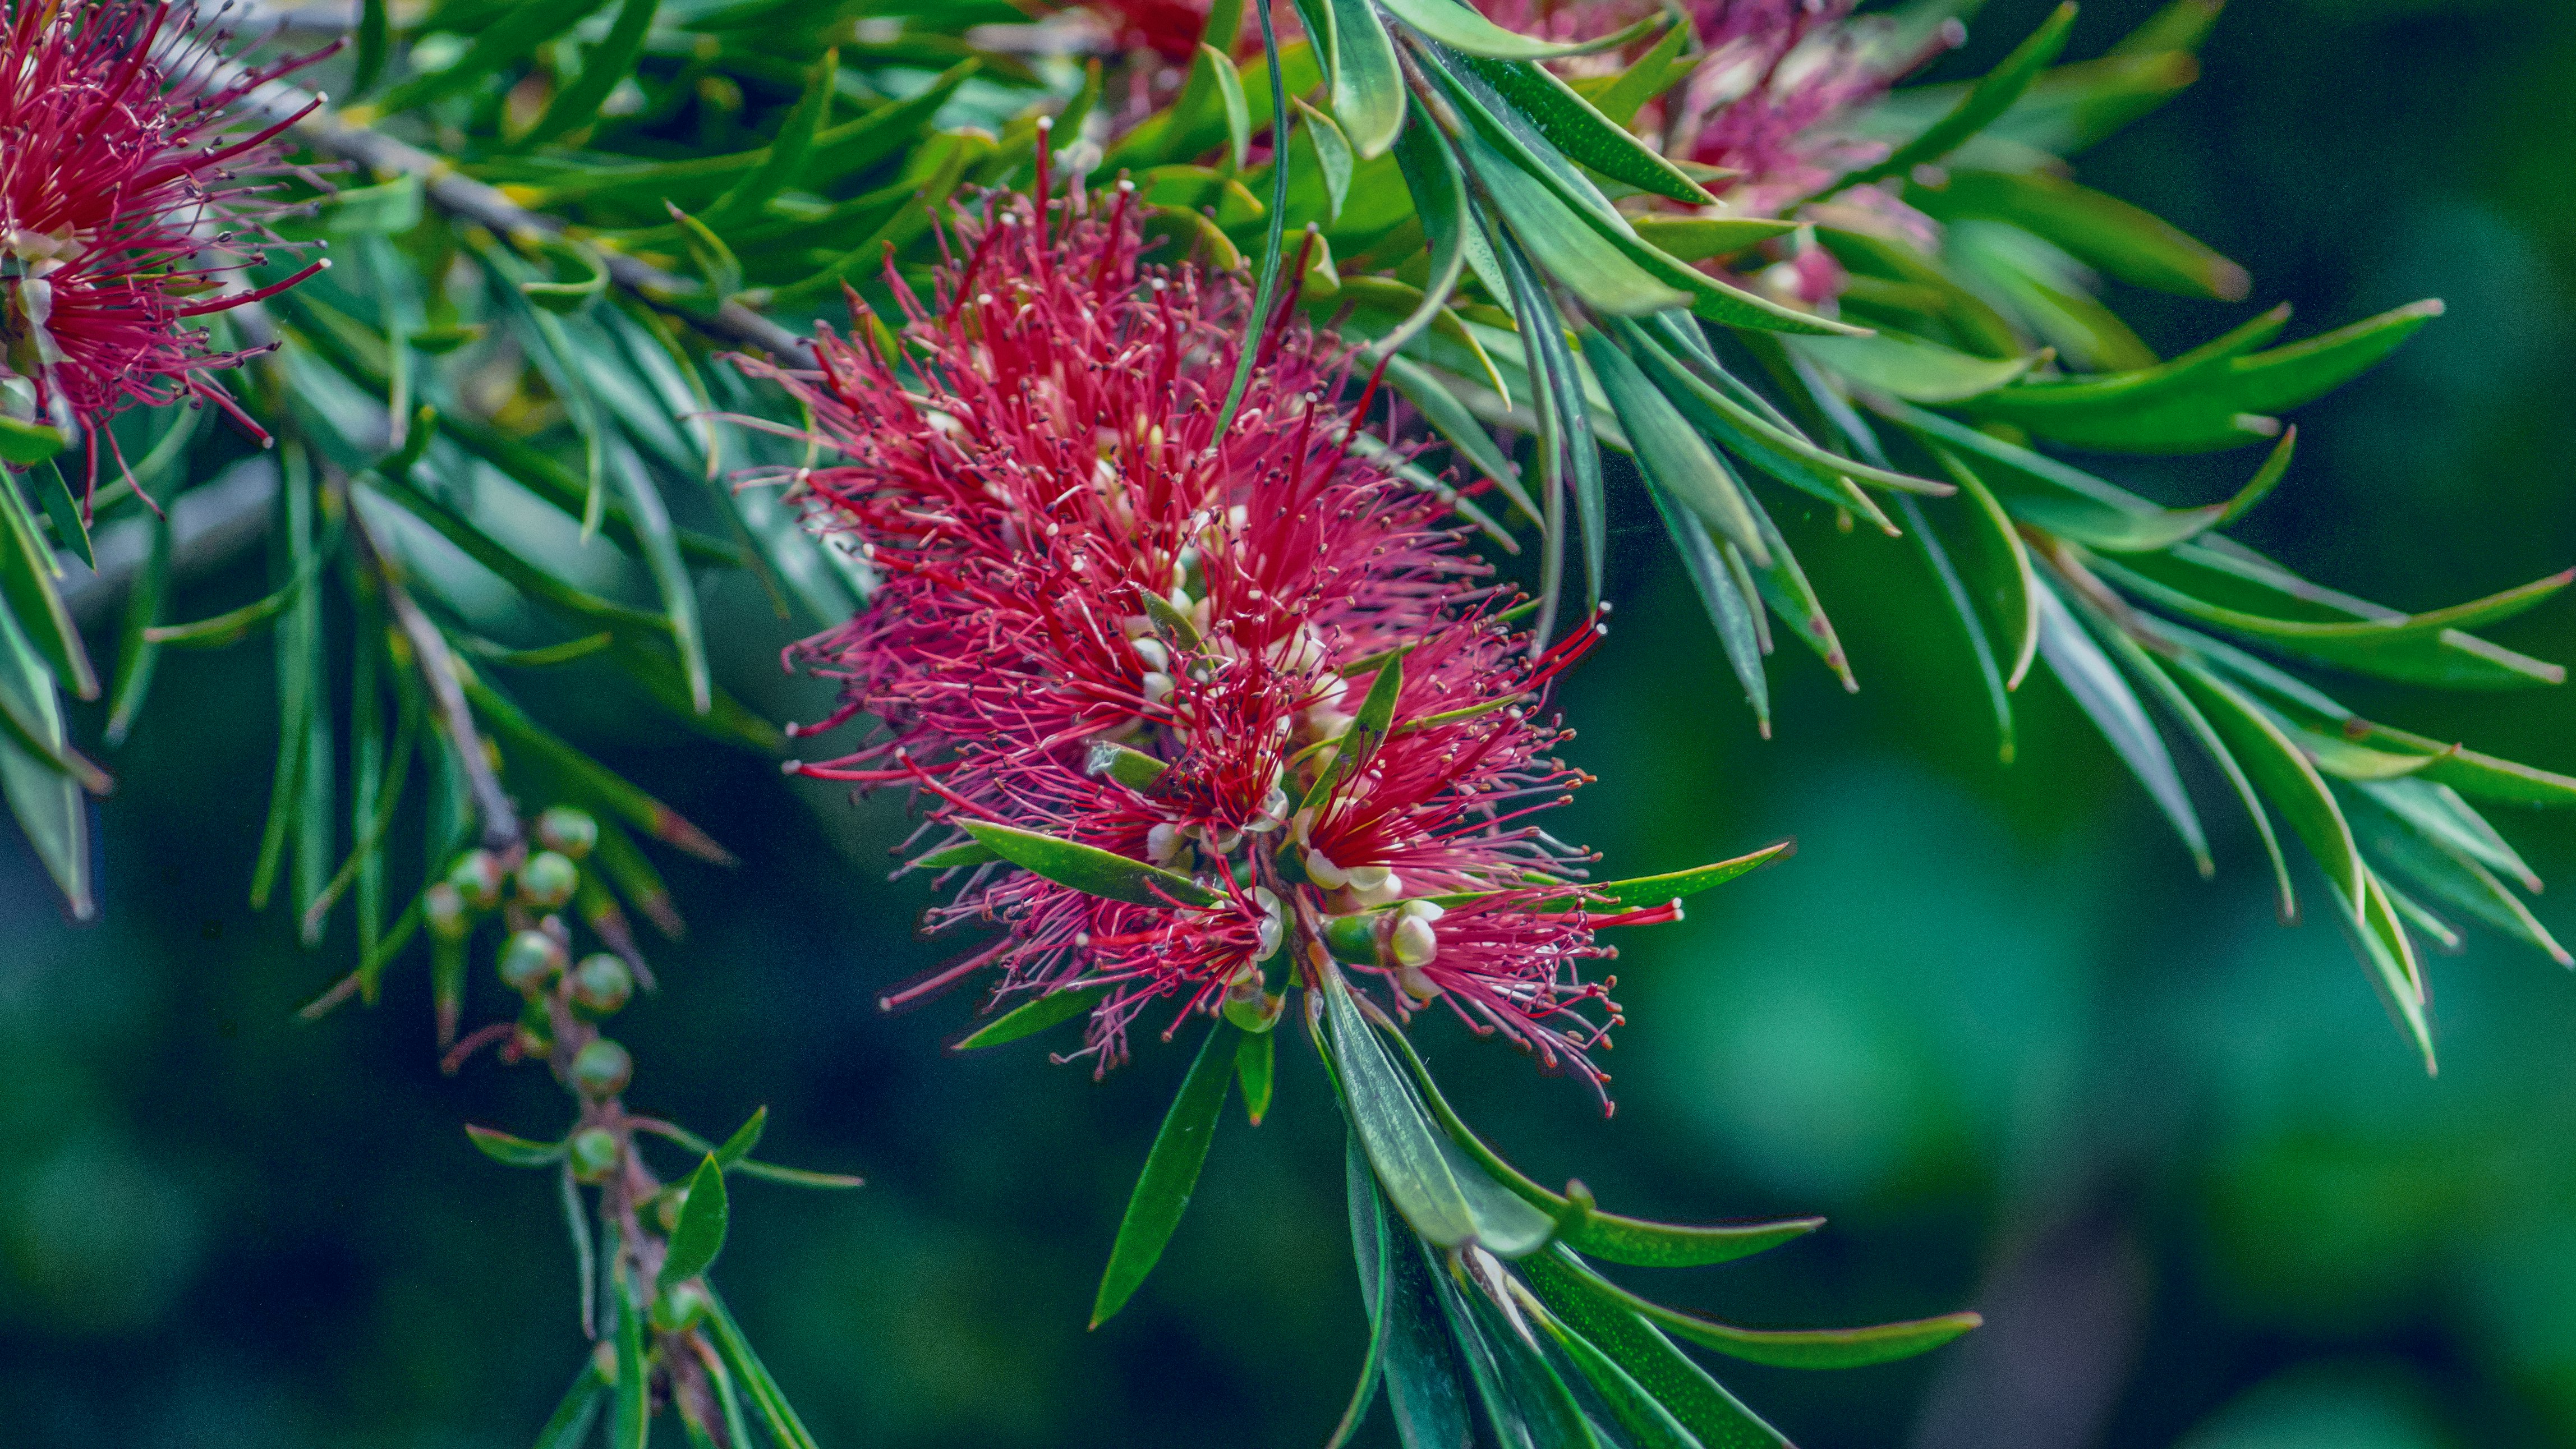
{"points": [[1988, 1019]]}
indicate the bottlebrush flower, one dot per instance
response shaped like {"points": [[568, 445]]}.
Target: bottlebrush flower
{"points": [[125, 203], [1102, 622]]}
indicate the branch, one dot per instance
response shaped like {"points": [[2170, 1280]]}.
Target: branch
{"points": [[438, 666], [461, 195]]}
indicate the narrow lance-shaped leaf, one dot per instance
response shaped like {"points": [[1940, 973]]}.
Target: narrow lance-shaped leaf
{"points": [[1368, 90], [1256, 1066], [1817, 1348], [700, 1233], [1716, 1418], [2107, 700], [1171, 1171], [2283, 774], [602, 67], [1371, 1248], [1729, 608], [1990, 671], [1089, 869], [1032, 1017], [775, 1413], [1985, 102]]}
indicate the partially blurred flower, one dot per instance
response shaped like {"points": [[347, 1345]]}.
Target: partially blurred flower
{"points": [[126, 204], [1103, 622]]}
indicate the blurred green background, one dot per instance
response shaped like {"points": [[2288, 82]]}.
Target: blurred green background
{"points": [[1987, 1018]]}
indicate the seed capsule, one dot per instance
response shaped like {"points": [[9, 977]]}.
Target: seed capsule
{"points": [[476, 875], [601, 985], [443, 906], [530, 960], [546, 881], [595, 1154], [602, 1069], [570, 831]]}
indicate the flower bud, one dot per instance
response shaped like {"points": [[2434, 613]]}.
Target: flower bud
{"points": [[570, 831], [602, 1069], [476, 875], [595, 1154], [444, 908], [1321, 870], [601, 984], [530, 960], [667, 1204], [678, 1307], [1250, 1006], [536, 1038], [546, 881], [1413, 942]]}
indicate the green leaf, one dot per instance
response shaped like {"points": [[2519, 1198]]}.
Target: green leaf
{"points": [[1660, 69], [2394, 974], [2431, 648], [388, 209], [1425, 1381], [2055, 496], [2438, 866], [2107, 700], [511, 1151], [1171, 1170], [775, 1413], [1467, 31], [511, 36], [1430, 1180], [1910, 368], [63, 511], [1031, 1017], [1985, 102], [1648, 1423], [1716, 1418], [1734, 610], [630, 1410], [2145, 666], [1581, 1225], [27, 574], [2132, 245], [1334, 158], [2203, 401], [2285, 775], [595, 783], [569, 1426], [1669, 452], [1583, 133], [700, 1233], [136, 654], [2013, 587], [1369, 727], [1451, 419], [1522, 1391], [1954, 590], [46, 800], [1370, 1246], [1559, 239], [23, 443], [2439, 814], [1368, 90], [1709, 395], [602, 67], [1256, 1066], [1091, 870], [1705, 238], [1818, 1348]]}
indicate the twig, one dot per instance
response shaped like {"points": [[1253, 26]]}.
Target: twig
{"points": [[327, 133], [438, 666]]}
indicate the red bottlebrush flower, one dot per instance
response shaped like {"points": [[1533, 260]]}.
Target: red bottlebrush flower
{"points": [[125, 204], [1103, 622], [1777, 77]]}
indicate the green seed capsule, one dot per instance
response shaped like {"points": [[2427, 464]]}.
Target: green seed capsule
{"points": [[546, 881], [602, 1069], [601, 984], [444, 908], [476, 875], [568, 830], [530, 960], [595, 1154]]}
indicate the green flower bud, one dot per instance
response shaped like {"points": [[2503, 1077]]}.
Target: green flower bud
{"points": [[678, 1307], [443, 907], [601, 984], [546, 881], [476, 875], [595, 1154], [602, 1069], [568, 830], [667, 1204], [530, 960]]}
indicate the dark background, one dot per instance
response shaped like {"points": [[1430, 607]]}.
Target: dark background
{"points": [[1988, 1018]]}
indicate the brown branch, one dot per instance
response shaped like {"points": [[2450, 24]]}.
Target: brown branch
{"points": [[438, 666]]}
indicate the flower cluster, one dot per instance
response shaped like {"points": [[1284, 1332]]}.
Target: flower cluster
{"points": [[1252, 660], [125, 207]]}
